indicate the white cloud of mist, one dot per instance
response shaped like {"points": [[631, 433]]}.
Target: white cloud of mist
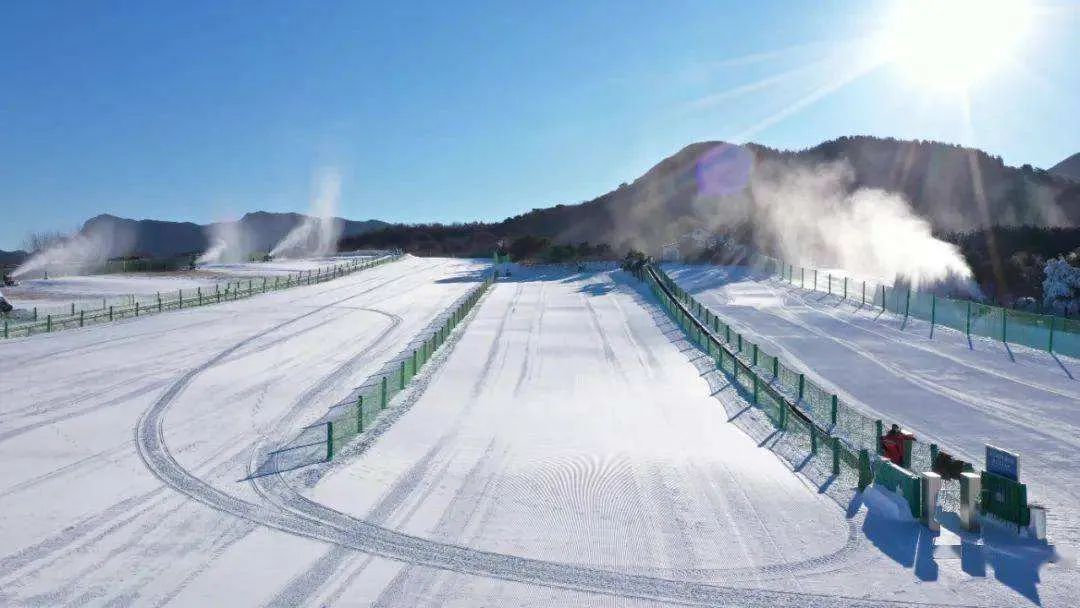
{"points": [[79, 253], [229, 243], [214, 253], [814, 217], [318, 234]]}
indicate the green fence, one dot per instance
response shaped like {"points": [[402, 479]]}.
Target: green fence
{"points": [[1005, 499], [796, 405], [791, 400], [1045, 332], [42, 321], [758, 377], [901, 481], [354, 415]]}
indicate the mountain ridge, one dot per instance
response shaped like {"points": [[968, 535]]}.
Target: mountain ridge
{"points": [[1070, 167], [165, 238], [954, 188]]}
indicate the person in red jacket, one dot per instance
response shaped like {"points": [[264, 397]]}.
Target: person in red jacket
{"points": [[892, 444]]}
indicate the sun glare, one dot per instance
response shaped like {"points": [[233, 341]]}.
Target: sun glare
{"points": [[951, 44]]}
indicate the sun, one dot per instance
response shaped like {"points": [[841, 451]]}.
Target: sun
{"points": [[952, 44]]}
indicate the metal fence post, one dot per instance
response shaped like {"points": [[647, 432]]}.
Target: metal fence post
{"points": [[110, 313], [968, 324], [383, 403], [802, 385], [835, 408], [48, 323], [865, 475], [835, 455], [878, 430], [402, 374], [933, 314], [81, 318], [1004, 325], [360, 414], [329, 440]]}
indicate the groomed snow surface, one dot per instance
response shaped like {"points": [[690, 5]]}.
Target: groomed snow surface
{"points": [[562, 449], [958, 393], [89, 291]]}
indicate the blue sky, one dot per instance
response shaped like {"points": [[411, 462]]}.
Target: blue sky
{"points": [[451, 111]]}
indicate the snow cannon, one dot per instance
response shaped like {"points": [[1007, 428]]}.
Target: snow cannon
{"points": [[5, 306]]}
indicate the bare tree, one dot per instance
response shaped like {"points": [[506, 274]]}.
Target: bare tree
{"points": [[36, 242]]}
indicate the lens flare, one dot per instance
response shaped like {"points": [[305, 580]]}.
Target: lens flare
{"points": [[952, 45]]}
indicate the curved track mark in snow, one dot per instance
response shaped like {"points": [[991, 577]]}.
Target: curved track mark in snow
{"points": [[312, 520]]}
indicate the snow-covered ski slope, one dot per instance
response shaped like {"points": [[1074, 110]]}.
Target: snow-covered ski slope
{"points": [[85, 521], [561, 449], [92, 289], [567, 442], [53, 295], [962, 394]]}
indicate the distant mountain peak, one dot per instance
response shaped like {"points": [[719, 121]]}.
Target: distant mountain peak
{"points": [[1070, 167]]}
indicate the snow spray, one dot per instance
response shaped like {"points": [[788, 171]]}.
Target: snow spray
{"points": [[229, 243], [317, 235], [80, 252], [812, 214]]}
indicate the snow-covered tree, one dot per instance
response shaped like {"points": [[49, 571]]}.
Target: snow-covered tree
{"points": [[1061, 287]]}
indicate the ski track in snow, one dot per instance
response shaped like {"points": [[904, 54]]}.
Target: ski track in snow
{"points": [[311, 520], [958, 394], [118, 451], [520, 326], [425, 552]]}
